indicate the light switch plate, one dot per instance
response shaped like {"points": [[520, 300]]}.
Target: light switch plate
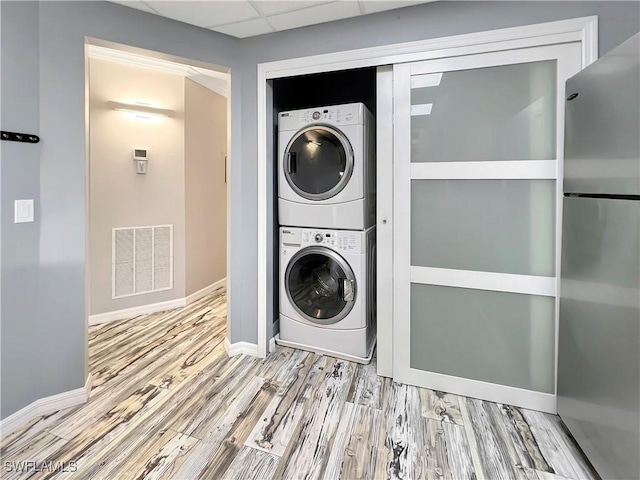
{"points": [[141, 167], [23, 211]]}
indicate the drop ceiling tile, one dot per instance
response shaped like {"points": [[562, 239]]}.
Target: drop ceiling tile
{"points": [[270, 7], [373, 6], [138, 6], [314, 15], [246, 29], [206, 13]]}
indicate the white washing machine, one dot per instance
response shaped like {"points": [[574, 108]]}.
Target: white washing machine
{"points": [[327, 167], [327, 291]]}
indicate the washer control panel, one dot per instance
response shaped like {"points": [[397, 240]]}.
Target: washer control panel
{"points": [[340, 240]]}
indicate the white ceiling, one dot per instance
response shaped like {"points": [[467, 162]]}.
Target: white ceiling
{"points": [[244, 18]]}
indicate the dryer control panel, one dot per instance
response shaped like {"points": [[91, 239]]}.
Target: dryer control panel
{"points": [[349, 114]]}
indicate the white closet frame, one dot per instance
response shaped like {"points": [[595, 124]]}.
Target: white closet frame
{"points": [[583, 30]]}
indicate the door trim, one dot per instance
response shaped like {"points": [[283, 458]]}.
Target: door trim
{"points": [[492, 281], [545, 402], [384, 205], [583, 30], [496, 170]]}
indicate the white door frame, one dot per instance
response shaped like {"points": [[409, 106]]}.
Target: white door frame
{"points": [[583, 30]]}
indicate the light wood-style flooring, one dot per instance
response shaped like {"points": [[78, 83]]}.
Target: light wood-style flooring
{"points": [[167, 403]]}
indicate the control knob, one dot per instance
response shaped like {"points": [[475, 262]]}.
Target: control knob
{"points": [[316, 115], [319, 237]]}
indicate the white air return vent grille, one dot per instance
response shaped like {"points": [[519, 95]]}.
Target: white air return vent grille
{"points": [[163, 257], [142, 260]]}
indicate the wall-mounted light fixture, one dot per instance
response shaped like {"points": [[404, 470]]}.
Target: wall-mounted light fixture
{"points": [[142, 109]]}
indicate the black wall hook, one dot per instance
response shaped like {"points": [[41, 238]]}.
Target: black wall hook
{"points": [[19, 137]]}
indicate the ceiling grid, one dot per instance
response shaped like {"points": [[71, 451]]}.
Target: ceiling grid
{"points": [[248, 18]]}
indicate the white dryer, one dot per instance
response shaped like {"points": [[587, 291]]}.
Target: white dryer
{"points": [[327, 291], [327, 167]]}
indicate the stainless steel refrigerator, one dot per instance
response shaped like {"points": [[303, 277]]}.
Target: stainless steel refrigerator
{"points": [[599, 337]]}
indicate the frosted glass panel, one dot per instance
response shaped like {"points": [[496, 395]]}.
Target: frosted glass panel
{"points": [[505, 226], [502, 338], [496, 113]]}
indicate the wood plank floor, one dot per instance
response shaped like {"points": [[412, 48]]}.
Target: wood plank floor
{"points": [[167, 403]]}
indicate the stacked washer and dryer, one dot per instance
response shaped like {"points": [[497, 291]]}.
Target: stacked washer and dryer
{"points": [[326, 209]]}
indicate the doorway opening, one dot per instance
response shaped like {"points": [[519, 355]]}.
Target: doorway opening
{"points": [[158, 203], [312, 91]]}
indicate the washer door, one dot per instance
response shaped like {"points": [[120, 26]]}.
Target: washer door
{"points": [[318, 162], [320, 285]]}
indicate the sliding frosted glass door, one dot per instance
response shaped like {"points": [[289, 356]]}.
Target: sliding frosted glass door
{"points": [[477, 151]]}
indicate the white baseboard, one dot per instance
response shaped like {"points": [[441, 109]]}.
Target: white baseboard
{"points": [[240, 348], [45, 406], [18, 419], [272, 344], [154, 307], [135, 311], [205, 291]]}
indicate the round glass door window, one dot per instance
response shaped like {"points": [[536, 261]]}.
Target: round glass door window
{"points": [[320, 285], [318, 162]]}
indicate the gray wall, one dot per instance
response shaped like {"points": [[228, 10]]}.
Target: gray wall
{"points": [[20, 179], [617, 22], [43, 91], [44, 309]]}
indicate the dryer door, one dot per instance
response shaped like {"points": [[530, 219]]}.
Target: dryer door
{"points": [[320, 285], [318, 162]]}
